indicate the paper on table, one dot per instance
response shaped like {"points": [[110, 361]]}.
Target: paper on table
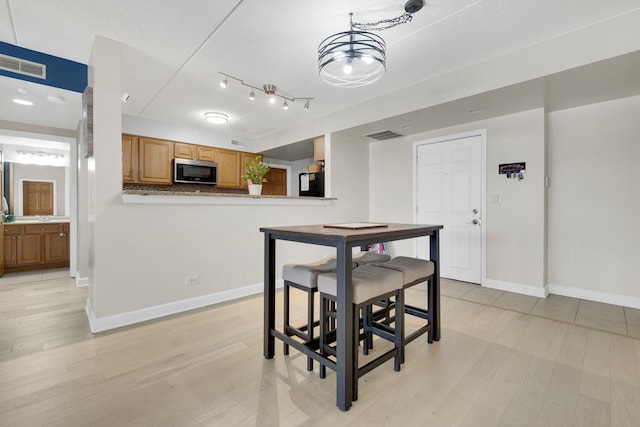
{"points": [[304, 183], [356, 225]]}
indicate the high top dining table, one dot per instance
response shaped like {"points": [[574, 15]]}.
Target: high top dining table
{"points": [[343, 237]]}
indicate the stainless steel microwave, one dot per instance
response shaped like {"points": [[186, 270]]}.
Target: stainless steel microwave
{"points": [[195, 172]]}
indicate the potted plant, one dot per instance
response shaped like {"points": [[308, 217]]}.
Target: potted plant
{"points": [[254, 173]]}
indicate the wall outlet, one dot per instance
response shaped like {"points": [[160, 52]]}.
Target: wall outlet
{"points": [[192, 279]]}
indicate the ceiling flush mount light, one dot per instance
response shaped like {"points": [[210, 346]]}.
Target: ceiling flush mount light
{"points": [[269, 90], [55, 99], [216, 118], [358, 57], [22, 102]]}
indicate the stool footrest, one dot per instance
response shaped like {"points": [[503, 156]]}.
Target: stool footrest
{"points": [[377, 362]]}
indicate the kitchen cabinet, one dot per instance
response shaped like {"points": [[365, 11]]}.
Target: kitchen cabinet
{"points": [[35, 246], [182, 150], [129, 158], [146, 160], [207, 154], [155, 161], [228, 168], [318, 149], [150, 161], [245, 158]]}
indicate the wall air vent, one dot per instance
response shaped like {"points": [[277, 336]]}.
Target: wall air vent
{"points": [[20, 66], [385, 134]]}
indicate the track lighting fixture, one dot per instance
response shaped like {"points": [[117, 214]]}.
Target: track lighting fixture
{"points": [[268, 89]]}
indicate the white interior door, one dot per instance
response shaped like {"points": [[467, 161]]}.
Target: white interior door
{"points": [[449, 192]]}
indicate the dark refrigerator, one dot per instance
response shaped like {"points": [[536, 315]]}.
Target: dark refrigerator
{"points": [[311, 184]]}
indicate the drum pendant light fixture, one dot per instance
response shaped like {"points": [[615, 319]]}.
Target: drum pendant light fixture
{"points": [[352, 58], [358, 57]]}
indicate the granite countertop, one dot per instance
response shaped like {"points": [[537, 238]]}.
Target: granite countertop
{"points": [[213, 194]]}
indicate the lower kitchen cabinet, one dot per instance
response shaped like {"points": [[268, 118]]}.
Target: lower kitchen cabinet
{"points": [[35, 246]]}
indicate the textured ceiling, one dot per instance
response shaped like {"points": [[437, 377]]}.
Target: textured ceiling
{"points": [[173, 51]]}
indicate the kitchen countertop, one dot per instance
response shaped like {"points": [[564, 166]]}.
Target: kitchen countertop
{"points": [[196, 197], [35, 220]]}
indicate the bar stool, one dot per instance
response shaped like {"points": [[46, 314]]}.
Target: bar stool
{"points": [[366, 257], [414, 271], [370, 284], [305, 278]]}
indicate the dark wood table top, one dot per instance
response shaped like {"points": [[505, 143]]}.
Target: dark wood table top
{"points": [[328, 235]]}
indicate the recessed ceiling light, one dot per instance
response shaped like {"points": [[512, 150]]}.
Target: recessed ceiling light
{"points": [[55, 99], [216, 118], [22, 102]]}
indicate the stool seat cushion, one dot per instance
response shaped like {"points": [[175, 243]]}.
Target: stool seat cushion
{"points": [[366, 257], [368, 282], [412, 268], [307, 274]]}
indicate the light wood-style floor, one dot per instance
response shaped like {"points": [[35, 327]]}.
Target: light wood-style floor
{"points": [[493, 367]]}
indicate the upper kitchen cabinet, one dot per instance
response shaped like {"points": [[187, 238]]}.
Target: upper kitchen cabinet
{"points": [[155, 160], [318, 149], [228, 168], [245, 158], [129, 158], [146, 160], [184, 151], [208, 154]]}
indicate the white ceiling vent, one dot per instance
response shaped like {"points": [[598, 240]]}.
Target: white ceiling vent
{"points": [[385, 134], [20, 66]]}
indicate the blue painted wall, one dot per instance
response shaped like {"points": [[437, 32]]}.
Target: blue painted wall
{"points": [[61, 73]]}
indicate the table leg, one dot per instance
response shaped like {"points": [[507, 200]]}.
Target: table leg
{"points": [[269, 295], [344, 338], [434, 249]]}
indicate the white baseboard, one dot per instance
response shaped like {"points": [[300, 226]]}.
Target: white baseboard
{"points": [[132, 317], [81, 281], [598, 296], [534, 291]]}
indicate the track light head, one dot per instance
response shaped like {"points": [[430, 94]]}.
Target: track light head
{"points": [[252, 95], [285, 106], [224, 83]]}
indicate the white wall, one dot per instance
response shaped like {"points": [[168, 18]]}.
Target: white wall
{"points": [[515, 229], [191, 135], [594, 201]]}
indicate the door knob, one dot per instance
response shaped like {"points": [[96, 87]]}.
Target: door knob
{"points": [[475, 211], [474, 222]]}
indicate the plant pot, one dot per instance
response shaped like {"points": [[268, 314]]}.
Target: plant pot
{"points": [[255, 189]]}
